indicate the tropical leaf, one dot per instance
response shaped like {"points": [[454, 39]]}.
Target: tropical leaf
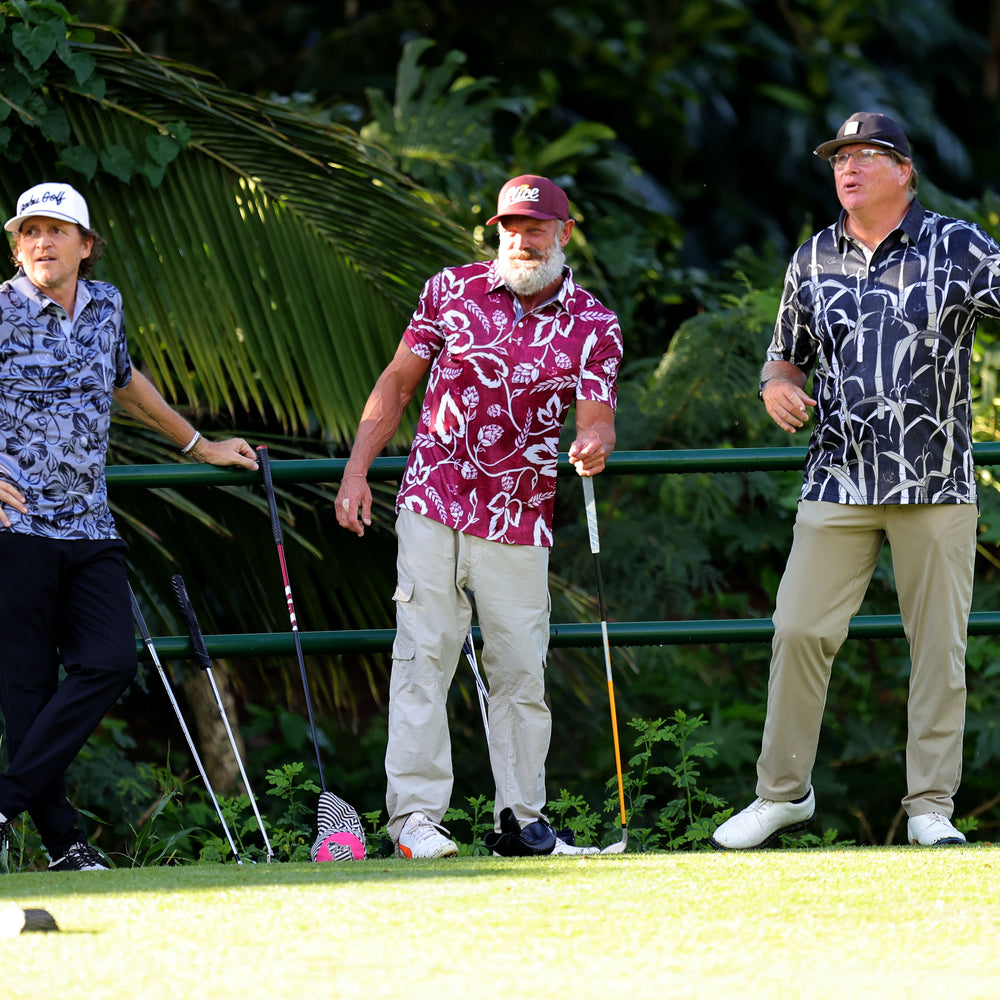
{"points": [[271, 273]]}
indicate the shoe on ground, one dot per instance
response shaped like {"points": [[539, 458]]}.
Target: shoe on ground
{"points": [[563, 847], [81, 857], [932, 829], [420, 838], [762, 821]]}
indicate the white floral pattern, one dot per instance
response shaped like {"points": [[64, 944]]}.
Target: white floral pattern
{"points": [[484, 456]]}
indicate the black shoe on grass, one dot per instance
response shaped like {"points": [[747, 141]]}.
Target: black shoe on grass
{"points": [[81, 857]]}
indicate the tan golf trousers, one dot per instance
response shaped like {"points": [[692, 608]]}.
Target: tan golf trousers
{"points": [[437, 570], [834, 553]]}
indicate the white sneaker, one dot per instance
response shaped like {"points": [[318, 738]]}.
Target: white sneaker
{"points": [[763, 820], [563, 848], [420, 838], [932, 829]]}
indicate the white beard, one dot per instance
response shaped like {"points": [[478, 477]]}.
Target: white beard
{"points": [[528, 277]]}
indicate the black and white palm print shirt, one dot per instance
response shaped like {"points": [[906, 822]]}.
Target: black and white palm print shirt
{"points": [[888, 338]]}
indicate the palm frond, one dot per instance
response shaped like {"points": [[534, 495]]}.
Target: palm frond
{"points": [[271, 272]]}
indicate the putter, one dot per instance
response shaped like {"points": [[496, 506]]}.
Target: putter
{"points": [[484, 699], [205, 661], [147, 640], [595, 547]]}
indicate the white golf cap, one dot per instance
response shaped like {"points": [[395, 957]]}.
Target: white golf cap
{"points": [[54, 201]]}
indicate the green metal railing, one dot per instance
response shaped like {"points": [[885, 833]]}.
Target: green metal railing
{"points": [[644, 463]]}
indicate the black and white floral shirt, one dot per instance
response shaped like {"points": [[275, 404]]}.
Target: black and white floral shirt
{"points": [[888, 338]]}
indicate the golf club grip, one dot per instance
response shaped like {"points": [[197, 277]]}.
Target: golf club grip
{"points": [[591, 505], [272, 506], [139, 620], [190, 621]]}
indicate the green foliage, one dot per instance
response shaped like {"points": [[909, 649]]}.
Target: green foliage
{"points": [[294, 830], [44, 51], [151, 844], [689, 819], [571, 812], [829, 838], [478, 819], [376, 835], [437, 126], [22, 845]]}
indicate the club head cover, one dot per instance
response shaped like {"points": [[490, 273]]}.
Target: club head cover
{"points": [[536, 838], [340, 834]]}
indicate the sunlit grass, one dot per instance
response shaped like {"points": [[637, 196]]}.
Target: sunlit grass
{"points": [[861, 922]]}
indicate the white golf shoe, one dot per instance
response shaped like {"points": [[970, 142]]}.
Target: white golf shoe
{"points": [[562, 847], [420, 838], [932, 829], [762, 821]]}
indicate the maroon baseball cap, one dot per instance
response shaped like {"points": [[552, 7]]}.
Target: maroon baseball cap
{"points": [[531, 195], [867, 127]]}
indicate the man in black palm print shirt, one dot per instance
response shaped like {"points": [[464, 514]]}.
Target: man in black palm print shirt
{"points": [[881, 310]]}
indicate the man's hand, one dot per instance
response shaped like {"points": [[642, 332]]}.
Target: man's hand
{"points": [[354, 493], [786, 404], [595, 437], [588, 453], [10, 496], [232, 451]]}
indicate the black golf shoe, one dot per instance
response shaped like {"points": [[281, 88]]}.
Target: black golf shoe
{"points": [[81, 857]]}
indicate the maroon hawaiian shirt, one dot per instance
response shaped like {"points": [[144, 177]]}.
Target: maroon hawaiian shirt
{"points": [[484, 457]]}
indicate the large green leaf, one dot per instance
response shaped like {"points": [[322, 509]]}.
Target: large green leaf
{"points": [[272, 271]]}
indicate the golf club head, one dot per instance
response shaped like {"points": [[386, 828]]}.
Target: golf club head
{"points": [[618, 848]]}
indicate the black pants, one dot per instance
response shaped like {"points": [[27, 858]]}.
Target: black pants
{"points": [[60, 602]]}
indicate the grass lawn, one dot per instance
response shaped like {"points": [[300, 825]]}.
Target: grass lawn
{"points": [[890, 923]]}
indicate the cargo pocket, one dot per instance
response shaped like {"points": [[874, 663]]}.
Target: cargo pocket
{"points": [[404, 646]]}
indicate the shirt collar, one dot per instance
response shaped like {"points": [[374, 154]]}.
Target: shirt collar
{"points": [[910, 224], [23, 284], [566, 289]]}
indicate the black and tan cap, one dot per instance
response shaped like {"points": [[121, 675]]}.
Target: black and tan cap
{"points": [[870, 128]]}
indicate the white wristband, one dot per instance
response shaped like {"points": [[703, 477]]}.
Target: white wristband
{"points": [[191, 443]]}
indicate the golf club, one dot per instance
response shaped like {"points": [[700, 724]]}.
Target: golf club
{"points": [[147, 640], [340, 831], [595, 547], [205, 661], [265, 469], [484, 699]]}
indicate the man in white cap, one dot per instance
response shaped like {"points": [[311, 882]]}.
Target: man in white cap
{"points": [[64, 595], [509, 346], [881, 309]]}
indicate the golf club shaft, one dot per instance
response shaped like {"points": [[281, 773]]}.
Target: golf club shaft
{"points": [[484, 699], [272, 506], [201, 653], [148, 642], [595, 548]]}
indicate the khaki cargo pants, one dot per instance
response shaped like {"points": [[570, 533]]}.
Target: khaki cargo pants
{"points": [[437, 571]]}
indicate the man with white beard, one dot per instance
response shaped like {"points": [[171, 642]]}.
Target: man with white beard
{"points": [[508, 346]]}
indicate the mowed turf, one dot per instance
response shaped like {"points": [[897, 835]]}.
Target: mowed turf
{"points": [[874, 923]]}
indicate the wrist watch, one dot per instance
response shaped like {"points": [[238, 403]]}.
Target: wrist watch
{"points": [[760, 389]]}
